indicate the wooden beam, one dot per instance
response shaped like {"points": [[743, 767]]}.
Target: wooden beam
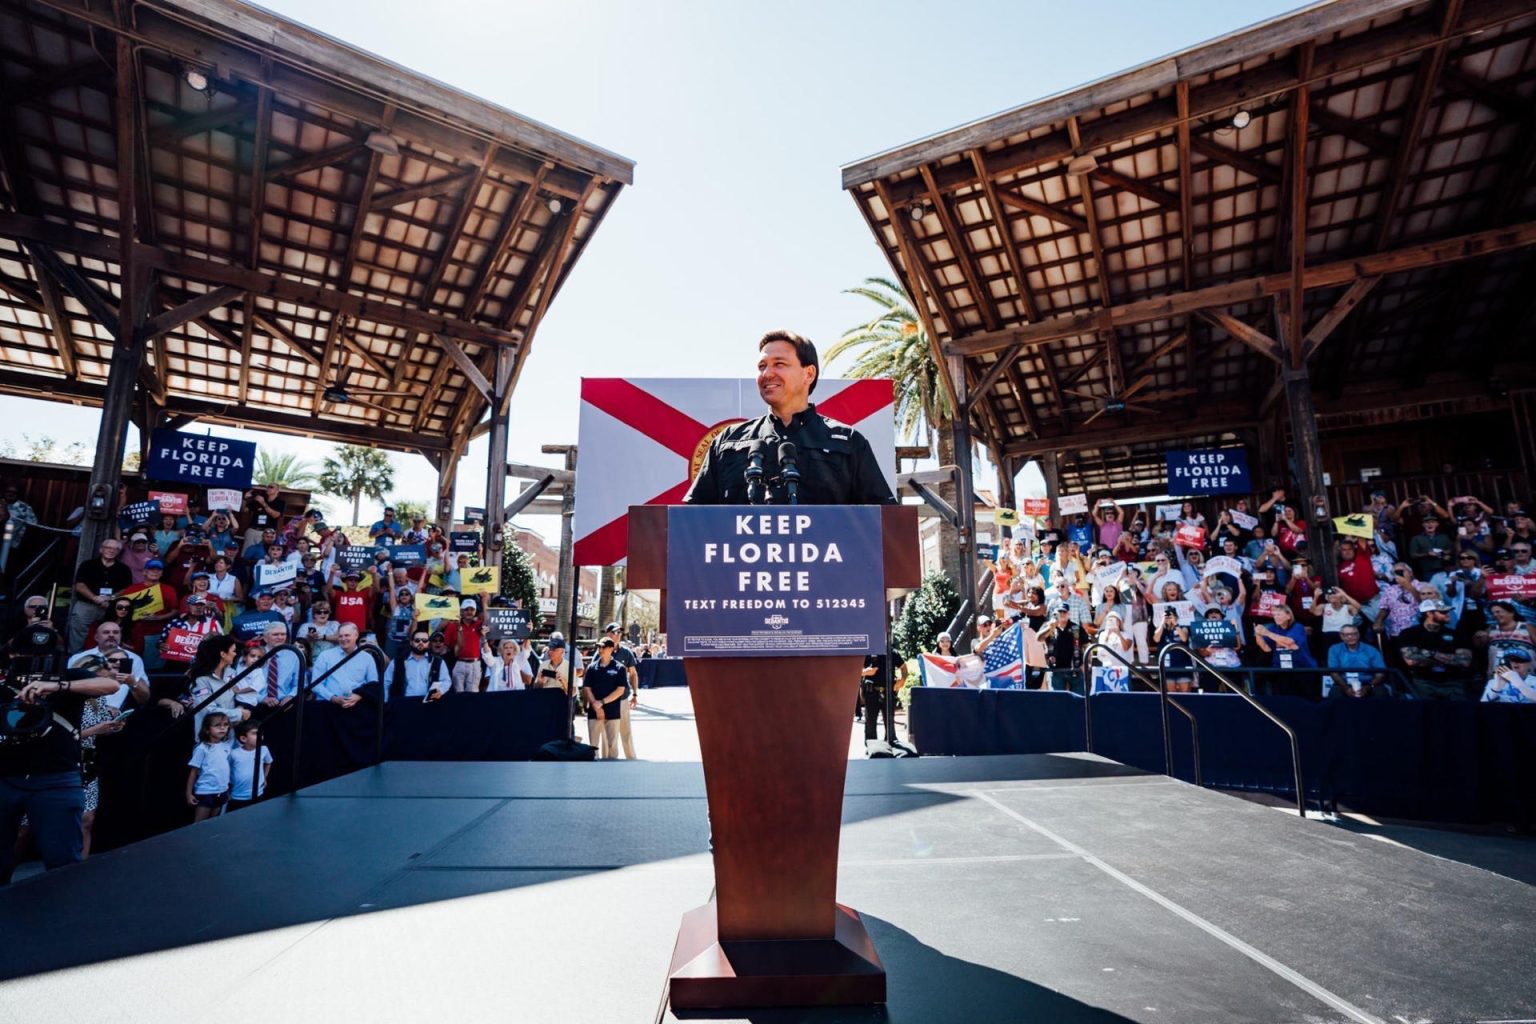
{"points": [[1214, 420], [506, 239], [192, 309], [1213, 150], [208, 120], [1426, 77], [1136, 187], [466, 365], [996, 369], [91, 71], [247, 328], [298, 165], [289, 341], [1107, 336], [1005, 235], [91, 243], [1373, 139], [1186, 221], [1495, 96], [1082, 370], [1046, 210], [1301, 184], [1253, 289], [1250, 336], [918, 285], [1330, 320], [426, 190], [24, 294], [58, 318], [980, 294]]}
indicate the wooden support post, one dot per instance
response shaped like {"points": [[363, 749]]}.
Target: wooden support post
{"points": [[565, 594], [1307, 454], [130, 338], [447, 465], [496, 461], [965, 493]]}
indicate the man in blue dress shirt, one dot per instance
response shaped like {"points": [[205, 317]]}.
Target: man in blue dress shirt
{"points": [[338, 686]]}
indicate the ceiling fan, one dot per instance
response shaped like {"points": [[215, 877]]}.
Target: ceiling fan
{"points": [[337, 392]]}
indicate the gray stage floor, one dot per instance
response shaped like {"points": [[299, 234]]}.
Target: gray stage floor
{"points": [[1039, 888]]}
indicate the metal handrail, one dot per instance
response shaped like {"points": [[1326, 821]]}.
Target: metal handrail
{"points": [[1159, 685], [960, 622], [1199, 662]]}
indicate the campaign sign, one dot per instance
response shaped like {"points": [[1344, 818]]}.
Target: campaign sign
{"points": [[474, 515], [1208, 471], [986, 552], [466, 541], [1005, 516], [1509, 586], [774, 581], [139, 512], [1243, 520], [506, 624], [170, 504], [354, 556], [181, 644], [272, 577], [1212, 633], [1037, 507], [1266, 603], [228, 499], [481, 579], [437, 606], [407, 556], [1184, 611], [200, 458], [1169, 513], [1072, 504], [1222, 564], [1189, 536]]}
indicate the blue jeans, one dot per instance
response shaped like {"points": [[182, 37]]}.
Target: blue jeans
{"points": [[53, 805]]}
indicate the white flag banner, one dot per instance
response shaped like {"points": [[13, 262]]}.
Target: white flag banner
{"points": [[276, 575], [1169, 513], [222, 499], [1243, 520], [1223, 564], [1109, 575]]}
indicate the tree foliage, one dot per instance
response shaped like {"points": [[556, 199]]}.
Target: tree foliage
{"points": [[355, 471], [407, 509], [46, 448], [518, 580], [894, 345], [924, 616], [284, 469]]}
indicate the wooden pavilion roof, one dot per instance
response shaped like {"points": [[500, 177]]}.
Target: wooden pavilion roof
{"points": [[1370, 163], [314, 215]]}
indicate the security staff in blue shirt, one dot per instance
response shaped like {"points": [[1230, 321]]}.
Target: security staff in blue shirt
{"points": [[835, 462]]}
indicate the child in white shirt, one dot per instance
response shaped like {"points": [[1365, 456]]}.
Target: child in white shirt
{"points": [[208, 781], [242, 767]]}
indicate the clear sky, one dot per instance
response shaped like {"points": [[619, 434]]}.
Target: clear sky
{"points": [[739, 116]]}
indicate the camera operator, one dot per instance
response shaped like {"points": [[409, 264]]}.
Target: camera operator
{"points": [[40, 766], [33, 642]]}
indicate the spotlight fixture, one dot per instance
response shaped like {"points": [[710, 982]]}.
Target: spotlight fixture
{"points": [[1241, 119], [554, 205], [196, 78], [918, 212], [337, 394], [382, 143], [1085, 163]]}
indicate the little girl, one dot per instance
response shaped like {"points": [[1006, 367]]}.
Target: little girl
{"points": [[208, 781], [245, 784]]}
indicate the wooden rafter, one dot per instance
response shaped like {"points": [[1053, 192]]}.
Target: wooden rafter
{"points": [[918, 284], [1329, 322], [980, 294], [446, 185], [1213, 150], [1046, 210], [1253, 289], [1107, 336], [1251, 336]]}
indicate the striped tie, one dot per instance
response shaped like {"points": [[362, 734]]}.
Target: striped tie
{"points": [[272, 678]]}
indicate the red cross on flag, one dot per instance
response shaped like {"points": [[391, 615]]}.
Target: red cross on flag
{"points": [[641, 442]]}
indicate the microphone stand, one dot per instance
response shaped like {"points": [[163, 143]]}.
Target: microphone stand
{"points": [[790, 472], [755, 491]]}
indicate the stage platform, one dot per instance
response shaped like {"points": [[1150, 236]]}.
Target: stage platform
{"points": [[1037, 888]]}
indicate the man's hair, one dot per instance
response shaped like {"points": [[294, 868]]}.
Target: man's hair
{"points": [[805, 350]]}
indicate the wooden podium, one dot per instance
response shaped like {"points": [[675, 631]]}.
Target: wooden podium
{"points": [[774, 735]]}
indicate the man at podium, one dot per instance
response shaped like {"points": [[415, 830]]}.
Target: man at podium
{"points": [[792, 455]]}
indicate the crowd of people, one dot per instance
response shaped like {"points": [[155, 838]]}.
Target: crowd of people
{"points": [[203, 613], [1428, 601]]}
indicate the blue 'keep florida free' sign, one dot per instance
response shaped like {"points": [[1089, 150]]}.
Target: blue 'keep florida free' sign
{"points": [[1208, 471], [775, 581]]}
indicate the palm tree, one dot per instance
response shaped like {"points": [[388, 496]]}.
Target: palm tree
{"points": [[284, 469], [356, 471], [894, 345]]}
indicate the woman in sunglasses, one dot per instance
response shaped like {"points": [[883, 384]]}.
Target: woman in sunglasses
{"points": [[119, 611]]}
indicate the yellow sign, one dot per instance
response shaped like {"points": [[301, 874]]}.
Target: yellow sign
{"points": [[1005, 516], [1361, 524], [437, 606], [485, 579], [150, 601]]}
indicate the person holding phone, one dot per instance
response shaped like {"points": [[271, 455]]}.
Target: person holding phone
{"points": [[555, 670]]}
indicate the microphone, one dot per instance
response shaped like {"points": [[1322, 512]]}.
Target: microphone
{"points": [[789, 472], [755, 492]]}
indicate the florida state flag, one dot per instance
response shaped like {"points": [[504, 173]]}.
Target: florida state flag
{"points": [[641, 442]]}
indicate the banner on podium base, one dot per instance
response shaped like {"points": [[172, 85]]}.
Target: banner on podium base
{"points": [[775, 581]]}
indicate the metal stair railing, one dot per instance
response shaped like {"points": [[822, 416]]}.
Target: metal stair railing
{"points": [[1160, 686], [307, 687], [1201, 663]]}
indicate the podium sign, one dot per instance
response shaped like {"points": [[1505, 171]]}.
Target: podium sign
{"points": [[753, 581]]}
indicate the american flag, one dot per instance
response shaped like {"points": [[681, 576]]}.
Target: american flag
{"points": [[1003, 662]]}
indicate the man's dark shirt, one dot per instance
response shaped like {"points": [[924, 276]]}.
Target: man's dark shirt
{"points": [[624, 656], [837, 465], [602, 680], [261, 518], [58, 751], [1444, 640], [102, 579]]}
